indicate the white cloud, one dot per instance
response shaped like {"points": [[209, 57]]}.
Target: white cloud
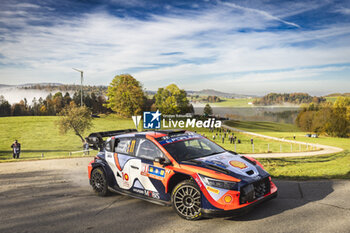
{"points": [[261, 12], [206, 45], [343, 10]]}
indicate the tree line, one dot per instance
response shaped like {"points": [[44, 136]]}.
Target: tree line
{"points": [[208, 99], [126, 97], [52, 104], [326, 118], [292, 98]]}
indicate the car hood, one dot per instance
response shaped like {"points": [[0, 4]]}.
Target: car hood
{"points": [[231, 164]]}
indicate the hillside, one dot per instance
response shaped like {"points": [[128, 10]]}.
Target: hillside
{"points": [[212, 92]]}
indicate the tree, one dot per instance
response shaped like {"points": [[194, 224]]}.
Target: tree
{"points": [[76, 119], [125, 95], [171, 100], [332, 119], [208, 111], [5, 107]]}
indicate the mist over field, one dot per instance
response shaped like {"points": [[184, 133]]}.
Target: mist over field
{"points": [[15, 94]]}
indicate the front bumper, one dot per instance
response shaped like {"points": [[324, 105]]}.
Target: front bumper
{"points": [[236, 212]]}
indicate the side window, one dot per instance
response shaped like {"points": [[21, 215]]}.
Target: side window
{"points": [[148, 150], [122, 146], [125, 146], [108, 146]]}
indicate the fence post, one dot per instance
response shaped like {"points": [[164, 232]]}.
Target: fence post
{"points": [[70, 153], [42, 155]]}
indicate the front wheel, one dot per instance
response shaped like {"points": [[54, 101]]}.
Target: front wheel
{"points": [[99, 182], [186, 200]]}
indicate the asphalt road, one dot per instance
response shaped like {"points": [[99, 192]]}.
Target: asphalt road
{"points": [[54, 196]]}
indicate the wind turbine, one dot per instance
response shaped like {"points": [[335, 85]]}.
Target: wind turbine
{"points": [[81, 85]]}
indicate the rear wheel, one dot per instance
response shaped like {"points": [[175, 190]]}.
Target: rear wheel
{"points": [[99, 182], [186, 200]]}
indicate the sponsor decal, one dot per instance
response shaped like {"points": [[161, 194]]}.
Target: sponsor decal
{"points": [[125, 176], [144, 169], [151, 120], [198, 180], [213, 190], [216, 163], [152, 171], [238, 164], [147, 193], [176, 139], [157, 171], [132, 146]]}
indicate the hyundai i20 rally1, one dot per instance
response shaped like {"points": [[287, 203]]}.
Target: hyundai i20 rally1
{"points": [[179, 168]]}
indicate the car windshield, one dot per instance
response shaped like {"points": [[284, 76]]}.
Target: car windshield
{"points": [[192, 149]]}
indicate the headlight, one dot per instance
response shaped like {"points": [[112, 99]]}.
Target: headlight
{"points": [[223, 184]]}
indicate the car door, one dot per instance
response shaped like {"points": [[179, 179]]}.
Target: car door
{"points": [[120, 159], [149, 176]]}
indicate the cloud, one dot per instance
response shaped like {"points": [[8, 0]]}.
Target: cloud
{"points": [[260, 12], [343, 10], [193, 48]]}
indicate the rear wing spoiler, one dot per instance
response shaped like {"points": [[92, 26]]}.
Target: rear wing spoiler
{"points": [[95, 140]]}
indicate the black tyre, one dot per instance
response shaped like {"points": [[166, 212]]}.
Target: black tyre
{"points": [[186, 200], [99, 182]]}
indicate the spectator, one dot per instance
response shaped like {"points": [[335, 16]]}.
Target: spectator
{"points": [[86, 148], [16, 147]]}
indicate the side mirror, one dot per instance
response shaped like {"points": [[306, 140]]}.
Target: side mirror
{"points": [[159, 160], [162, 161]]}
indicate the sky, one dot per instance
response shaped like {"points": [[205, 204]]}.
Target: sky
{"points": [[243, 46]]}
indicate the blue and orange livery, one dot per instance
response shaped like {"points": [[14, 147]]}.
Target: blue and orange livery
{"points": [[179, 168]]}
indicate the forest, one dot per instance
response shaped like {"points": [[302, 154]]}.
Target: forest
{"points": [[290, 98]]}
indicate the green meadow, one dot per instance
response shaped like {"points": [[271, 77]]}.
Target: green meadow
{"points": [[316, 167], [39, 136]]}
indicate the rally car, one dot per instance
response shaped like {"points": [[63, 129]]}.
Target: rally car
{"points": [[179, 168]]}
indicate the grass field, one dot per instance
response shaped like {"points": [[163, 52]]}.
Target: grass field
{"points": [[39, 135], [332, 99], [261, 145], [325, 166]]}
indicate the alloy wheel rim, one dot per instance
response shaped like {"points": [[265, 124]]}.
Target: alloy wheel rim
{"points": [[187, 201], [98, 181]]}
